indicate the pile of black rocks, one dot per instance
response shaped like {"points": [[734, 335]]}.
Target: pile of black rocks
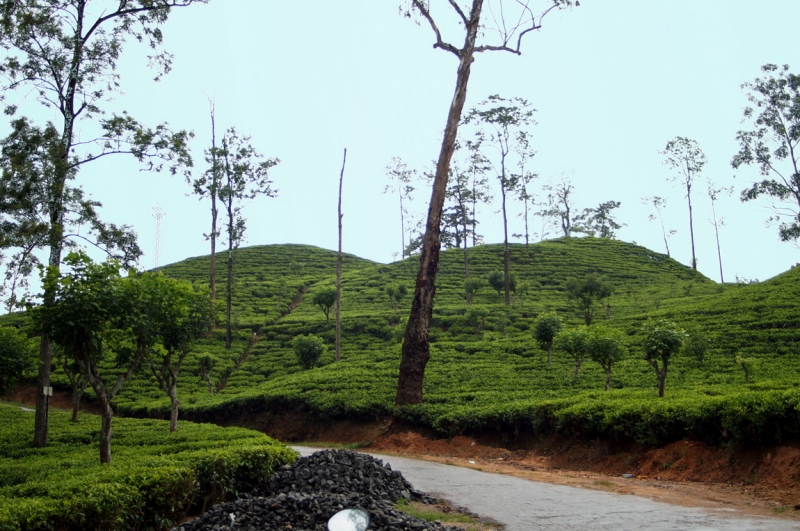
{"points": [[303, 497]]}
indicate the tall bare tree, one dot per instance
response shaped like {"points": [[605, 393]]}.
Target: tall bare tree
{"points": [[416, 348], [65, 53], [659, 204], [401, 179], [687, 159]]}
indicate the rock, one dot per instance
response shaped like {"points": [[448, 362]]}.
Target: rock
{"points": [[303, 497]]}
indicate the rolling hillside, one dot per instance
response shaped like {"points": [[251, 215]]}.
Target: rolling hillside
{"points": [[496, 377]]}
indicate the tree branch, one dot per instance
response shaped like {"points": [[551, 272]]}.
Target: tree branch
{"points": [[439, 42]]}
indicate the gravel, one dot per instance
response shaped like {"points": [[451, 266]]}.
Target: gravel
{"points": [[303, 497]]}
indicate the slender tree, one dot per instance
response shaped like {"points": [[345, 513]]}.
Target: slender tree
{"points": [[713, 196], [658, 204], [771, 143], [559, 203], [416, 349], [502, 128], [685, 157], [598, 221], [245, 176], [400, 183], [208, 185], [605, 346], [663, 339], [65, 52], [338, 354]]}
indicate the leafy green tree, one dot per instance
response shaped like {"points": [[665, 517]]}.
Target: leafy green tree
{"points": [[85, 321], [545, 330], [471, 287], [416, 345], [309, 349], [476, 318], [587, 292], [497, 281], [325, 299], [598, 221], [748, 365], [501, 125], [771, 143], [182, 315], [244, 176], [65, 54], [396, 293], [401, 180], [205, 364], [696, 345], [573, 341], [16, 355], [663, 339], [606, 346], [687, 159]]}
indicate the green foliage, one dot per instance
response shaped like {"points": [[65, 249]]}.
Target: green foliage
{"points": [[396, 293], [586, 292], [771, 144], [496, 382], [663, 339], [17, 354], [476, 318], [471, 287], [497, 281], [309, 349], [545, 329], [325, 299], [605, 346], [158, 478], [574, 342]]}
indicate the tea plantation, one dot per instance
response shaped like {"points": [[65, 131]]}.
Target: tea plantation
{"points": [[487, 372]]}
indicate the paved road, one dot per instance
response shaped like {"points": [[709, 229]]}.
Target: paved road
{"points": [[524, 505]]}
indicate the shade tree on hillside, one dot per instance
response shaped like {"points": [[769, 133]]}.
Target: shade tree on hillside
{"points": [[684, 156], [396, 293], [585, 293], [714, 193], [501, 130], [598, 221], [325, 299], [524, 192], [658, 204], [662, 341], [545, 330], [476, 318], [497, 281], [771, 144], [559, 204], [308, 349], [506, 29], [64, 54], [401, 182], [572, 341], [471, 287], [244, 176], [606, 346], [182, 314]]}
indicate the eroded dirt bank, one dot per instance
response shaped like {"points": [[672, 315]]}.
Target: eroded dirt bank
{"points": [[763, 480]]}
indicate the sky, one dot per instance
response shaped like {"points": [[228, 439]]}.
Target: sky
{"points": [[612, 83]]}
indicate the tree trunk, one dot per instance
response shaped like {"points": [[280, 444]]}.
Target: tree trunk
{"points": [[214, 212], [716, 233], [105, 431], [416, 349], [174, 404], [77, 395], [578, 363], [506, 252], [691, 225], [339, 269], [549, 354], [608, 377]]}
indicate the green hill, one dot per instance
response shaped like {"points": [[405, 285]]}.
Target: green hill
{"points": [[496, 377]]}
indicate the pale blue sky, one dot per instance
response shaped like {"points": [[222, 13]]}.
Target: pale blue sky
{"points": [[612, 81]]}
